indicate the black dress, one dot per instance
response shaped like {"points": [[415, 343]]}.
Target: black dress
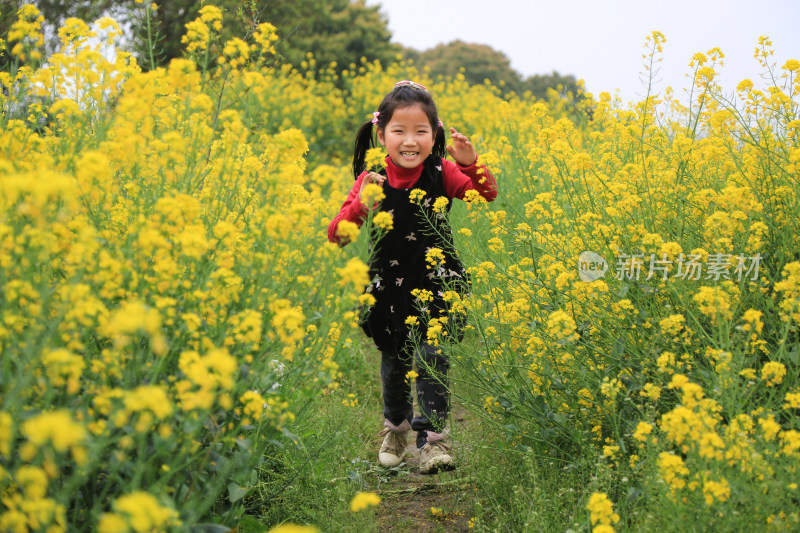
{"points": [[398, 264]]}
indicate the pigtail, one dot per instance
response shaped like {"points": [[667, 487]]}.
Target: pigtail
{"points": [[364, 142], [439, 143]]}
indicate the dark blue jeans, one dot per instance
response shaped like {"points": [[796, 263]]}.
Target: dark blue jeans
{"points": [[433, 397]]}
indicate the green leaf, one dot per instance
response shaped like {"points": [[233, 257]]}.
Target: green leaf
{"points": [[794, 354], [623, 290], [250, 524], [236, 493]]}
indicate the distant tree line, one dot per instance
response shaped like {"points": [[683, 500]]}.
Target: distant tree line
{"points": [[481, 62], [334, 31]]}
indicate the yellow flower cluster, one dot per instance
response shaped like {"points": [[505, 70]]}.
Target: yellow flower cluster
{"points": [[643, 272], [236, 52], [789, 289], [601, 513], [265, 36], [163, 271], [672, 470], [416, 195], [364, 500], [372, 194], [26, 32], [434, 258], [383, 220], [138, 511], [375, 158], [199, 31], [441, 204]]}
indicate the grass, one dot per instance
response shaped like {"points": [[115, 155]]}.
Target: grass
{"points": [[494, 488], [313, 481]]}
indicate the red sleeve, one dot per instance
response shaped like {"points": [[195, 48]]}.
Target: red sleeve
{"points": [[458, 180], [351, 210]]}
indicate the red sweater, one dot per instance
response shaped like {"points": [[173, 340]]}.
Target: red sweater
{"points": [[457, 181]]}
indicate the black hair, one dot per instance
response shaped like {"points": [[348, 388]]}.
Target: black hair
{"points": [[400, 97]]}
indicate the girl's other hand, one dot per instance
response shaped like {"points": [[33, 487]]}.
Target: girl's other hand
{"points": [[372, 177], [461, 149]]}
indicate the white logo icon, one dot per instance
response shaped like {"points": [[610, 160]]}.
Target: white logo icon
{"points": [[591, 266]]}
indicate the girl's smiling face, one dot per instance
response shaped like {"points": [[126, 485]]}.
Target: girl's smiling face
{"points": [[408, 137]]}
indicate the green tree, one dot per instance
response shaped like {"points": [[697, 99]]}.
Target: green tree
{"points": [[479, 62], [336, 30], [539, 84]]}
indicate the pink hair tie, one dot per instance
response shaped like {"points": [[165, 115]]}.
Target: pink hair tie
{"points": [[413, 84], [375, 116], [441, 125]]}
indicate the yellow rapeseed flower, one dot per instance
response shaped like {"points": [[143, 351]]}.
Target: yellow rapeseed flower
{"points": [[355, 272], [718, 491], [714, 302], [672, 470], [347, 231], [792, 402], [252, 404], [416, 195], [6, 433], [375, 158], [651, 391], [288, 322], [33, 480], [773, 373], [790, 443], [561, 326], [642, 431], [752, 318], [138, 512], [57, 428], [151, 398], [371, 194], [792, 65], [235, 53], [440, 204], [363, 500], [266, 36], [672, 325], [383, 220], [601, 510], [434, 257]]}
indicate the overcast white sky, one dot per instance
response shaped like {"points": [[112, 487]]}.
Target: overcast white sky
{"points": [[602, 41]]}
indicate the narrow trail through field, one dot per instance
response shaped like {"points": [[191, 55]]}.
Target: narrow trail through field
{"points": [[440, 502]]}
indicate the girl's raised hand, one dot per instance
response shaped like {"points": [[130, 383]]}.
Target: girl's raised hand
{"points": [[461, 149]]}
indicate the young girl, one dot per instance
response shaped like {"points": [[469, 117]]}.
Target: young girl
{"points": [[408, 126]]}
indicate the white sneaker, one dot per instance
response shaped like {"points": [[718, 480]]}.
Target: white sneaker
{"points": [[435, 455], [394, 444]]}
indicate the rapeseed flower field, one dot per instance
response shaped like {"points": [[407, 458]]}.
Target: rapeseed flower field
{"points": [[169, 301]]}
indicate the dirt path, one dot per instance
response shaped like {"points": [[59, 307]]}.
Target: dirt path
{"points": [[428, 503]]}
